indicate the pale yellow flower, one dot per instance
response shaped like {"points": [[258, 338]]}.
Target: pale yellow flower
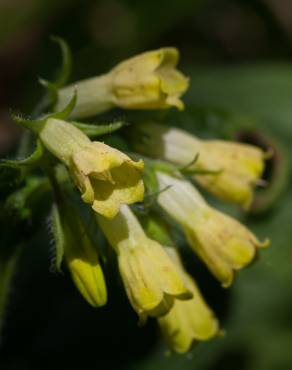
{"points": [[82, 259], [187, 321], [236, 167], [224, 244], [151, 280], [105, 176], [147, 81], [87, 274]]}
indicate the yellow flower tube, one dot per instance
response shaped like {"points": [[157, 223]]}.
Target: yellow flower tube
{"points": [[187, 321], [224, 244], [105, 176], [151, 280], [237, 167], [147, 81]]}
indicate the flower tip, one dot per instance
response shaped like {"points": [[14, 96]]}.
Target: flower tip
{"points": [[98, 301], [169, 54], [227, 284], [90, 282], [172, 101], [265, 243], [107, 211], [215, 330], [139, 165]]}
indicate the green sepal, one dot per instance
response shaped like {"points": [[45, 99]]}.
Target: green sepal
{"points": [[30, 161], [152, 191], [37, 125], [200, 171], [156, 228], [156, 164], [64, 113], [150, 181], [94, 130], [188, 166], [63, 75], [52, 91], [31, 124], [66, 67], [188, 170], [59, 237], [173, 169]]}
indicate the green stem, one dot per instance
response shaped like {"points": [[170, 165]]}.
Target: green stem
{"points": [[7, 267], [26, 138], [8, 262]]}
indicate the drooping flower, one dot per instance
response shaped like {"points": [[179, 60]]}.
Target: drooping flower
{"points": [[147, 81], [224, 244], [236, 167], [151, 280], [105, 176], [187, 321]]}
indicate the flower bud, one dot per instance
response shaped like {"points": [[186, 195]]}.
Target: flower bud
{"points": [[146, 81], [105, 176], [80, 255], [224, 244]]}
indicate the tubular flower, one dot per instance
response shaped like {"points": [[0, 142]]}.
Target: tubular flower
{"points": [[146, 81], [187, 321], [236, 167], [151, 280], [105, 176], [82, 259], [220, 241]]}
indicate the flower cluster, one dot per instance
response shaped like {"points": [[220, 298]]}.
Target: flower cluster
{"points": [[152, 272]]}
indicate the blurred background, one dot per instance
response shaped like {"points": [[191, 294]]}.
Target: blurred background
{"points": [[238, 54]]}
